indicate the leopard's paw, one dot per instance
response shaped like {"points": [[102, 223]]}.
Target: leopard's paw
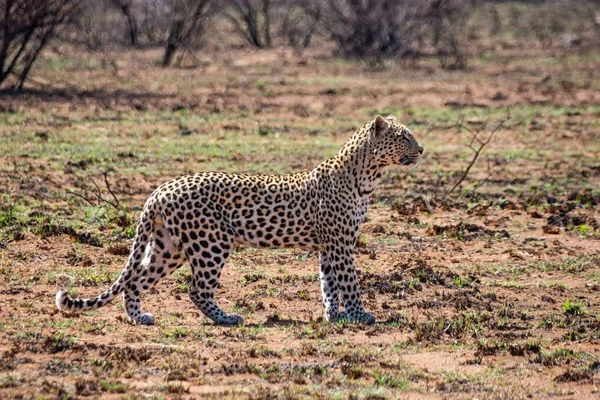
{"points": [[358, 318], [230, 320], [145, 319]]}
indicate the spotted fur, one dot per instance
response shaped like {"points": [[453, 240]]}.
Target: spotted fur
{"points": [[199, 218]]}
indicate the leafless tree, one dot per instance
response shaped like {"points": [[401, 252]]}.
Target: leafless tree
{"points": [[90, 28], [189, 20], [252, 20], [125, 7], [26, 28], [448, 20], [300, 21], [100, 24], [153, 24]]}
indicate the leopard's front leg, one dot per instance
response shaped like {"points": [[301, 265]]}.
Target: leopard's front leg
{"points": [[338, 275], [337, 226], [329, 288], [343, 264]]}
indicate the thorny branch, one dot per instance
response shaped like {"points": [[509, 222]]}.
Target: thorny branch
{"points": [[478, 150], [98, 194]]}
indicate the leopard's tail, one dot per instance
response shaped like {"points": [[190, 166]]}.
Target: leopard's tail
{"points": [[132, 269]]}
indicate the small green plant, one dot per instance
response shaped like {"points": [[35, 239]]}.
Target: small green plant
{"points": [[585, 230], [97, 328], [397, 321], [352, 371], [59, 342], [491, 295], [63, 323], [391, 381], [8, 216], [170, 335], [363, 241], [415, 284], [112, 386], [561, 287], [262, 351], [237, 309], [261, 84], [555, 357], [28, 305], [177, 332], [552, 321], [183, 279], [512, 285], [129, 232], [461, 281], [574, 308], [253, 277], [264, 130], [93, 276], [546, 323]]}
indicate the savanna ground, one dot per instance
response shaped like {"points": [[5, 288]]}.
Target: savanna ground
{"points": [[490, 291]]}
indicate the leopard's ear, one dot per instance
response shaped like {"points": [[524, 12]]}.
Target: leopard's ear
{"points": [[380, 125]]}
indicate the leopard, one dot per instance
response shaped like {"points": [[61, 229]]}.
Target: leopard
{"points": [[201, 218]]}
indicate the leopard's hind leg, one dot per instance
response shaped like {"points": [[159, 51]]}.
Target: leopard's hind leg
{"points": [[207, 253], [161, 258]]}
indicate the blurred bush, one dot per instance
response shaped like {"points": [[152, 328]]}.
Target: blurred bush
{"points": [[370, 30]]}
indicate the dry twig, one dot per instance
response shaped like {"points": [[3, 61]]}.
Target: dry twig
{"points": [[478, 150], [98, 194]]}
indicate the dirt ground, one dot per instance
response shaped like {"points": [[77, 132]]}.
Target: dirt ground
{"points": [[490, 291]]}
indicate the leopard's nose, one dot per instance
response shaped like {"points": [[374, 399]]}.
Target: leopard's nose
{"points": [[420, 149]]}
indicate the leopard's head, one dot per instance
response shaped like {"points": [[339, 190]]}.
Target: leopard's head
{"points": [[392, 143]]}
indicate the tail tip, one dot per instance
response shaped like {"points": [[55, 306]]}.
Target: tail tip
{"points": [[60, 300]]}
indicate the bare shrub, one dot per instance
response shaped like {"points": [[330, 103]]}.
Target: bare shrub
{"points": [[252, 20], [153, 24], [449, 25], [374, 30], [262, 23], [188, 22], [93, 27], [564, 22], [300, 22], [549, 21], [105, 24], [28, 26]]}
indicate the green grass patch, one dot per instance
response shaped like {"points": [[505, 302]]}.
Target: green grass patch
{"points": [[574, 308], [391, 381], [113, 386]]}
